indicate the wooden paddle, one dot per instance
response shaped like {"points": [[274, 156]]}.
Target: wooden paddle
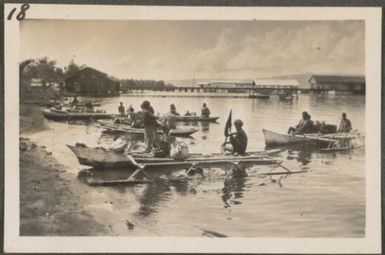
{"points": [[227, 128]]}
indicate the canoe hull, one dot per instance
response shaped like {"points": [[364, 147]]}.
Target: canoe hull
{"points": [[61, 115], [101, 158], [276, 139], [109, 126]]}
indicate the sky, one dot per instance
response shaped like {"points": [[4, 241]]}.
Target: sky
{"points": [[171, 50]]}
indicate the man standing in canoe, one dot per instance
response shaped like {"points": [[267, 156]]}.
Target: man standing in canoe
{"points": [[171, 117], [345, 125], [121, 110], [150, 125], [205, 111]]}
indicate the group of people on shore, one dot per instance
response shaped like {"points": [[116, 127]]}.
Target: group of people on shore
{"points": [[306, 125]]}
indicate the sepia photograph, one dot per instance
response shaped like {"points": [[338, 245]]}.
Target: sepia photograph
{"points": [[195, 128]]}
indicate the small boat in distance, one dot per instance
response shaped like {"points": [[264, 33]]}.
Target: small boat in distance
{"points": [[285, 96], [259, 95]]}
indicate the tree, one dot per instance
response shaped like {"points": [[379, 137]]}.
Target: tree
{"points": [[43, 69], [23, 83], [71, 69]]}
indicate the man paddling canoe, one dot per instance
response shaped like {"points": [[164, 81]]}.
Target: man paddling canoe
{"points": [[238, 139]]}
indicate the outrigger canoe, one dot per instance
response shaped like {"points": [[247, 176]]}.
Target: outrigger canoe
{"points": [[276, 139], [102, 158], [196, 118], [124, 128], [54, 114]]}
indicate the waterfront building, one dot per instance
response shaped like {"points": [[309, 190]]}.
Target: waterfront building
{"points": [[337, 84], [91, 82]]}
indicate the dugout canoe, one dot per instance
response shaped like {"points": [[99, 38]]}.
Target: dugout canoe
{"points": [[196, 118], [277, 139], [53, 114], [102, 158], [124, 128]]}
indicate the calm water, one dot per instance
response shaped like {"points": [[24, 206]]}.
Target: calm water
{"points": [[326, 201]]}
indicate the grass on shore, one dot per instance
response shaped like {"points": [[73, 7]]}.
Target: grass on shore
{"points": [[31, 119]]}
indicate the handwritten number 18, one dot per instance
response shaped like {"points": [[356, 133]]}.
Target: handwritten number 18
{"points": [[21, 14]]}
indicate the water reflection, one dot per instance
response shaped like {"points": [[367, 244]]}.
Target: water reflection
{"points": [[233, 189], [151, 198], [205, 126], [301, 155]]}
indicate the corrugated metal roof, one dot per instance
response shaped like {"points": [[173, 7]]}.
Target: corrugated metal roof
{"points": [[276, 82], [338, 79]]}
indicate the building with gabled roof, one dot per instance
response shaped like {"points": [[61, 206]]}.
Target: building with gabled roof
{"points": [[338, 83]]}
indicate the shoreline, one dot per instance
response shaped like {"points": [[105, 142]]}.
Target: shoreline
{"points": [[51, 199]]}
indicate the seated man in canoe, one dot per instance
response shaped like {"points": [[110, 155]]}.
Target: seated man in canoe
{"points": [[238, 139], [173, 110], [89, 107], [345, 124], [304, 126]]}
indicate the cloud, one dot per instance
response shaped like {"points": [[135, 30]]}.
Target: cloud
{"points": [[213, 59], [317, 48]]}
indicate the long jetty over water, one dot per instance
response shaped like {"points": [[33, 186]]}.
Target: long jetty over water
{"points": [[317, 85], [222, 92]]}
